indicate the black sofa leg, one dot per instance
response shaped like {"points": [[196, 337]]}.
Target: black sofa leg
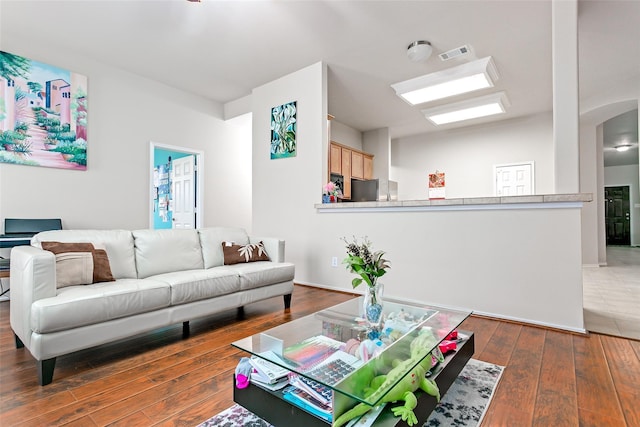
{"points": [[19, 343], [287, 301], [45, 370], [185, 329], [240, 312]]}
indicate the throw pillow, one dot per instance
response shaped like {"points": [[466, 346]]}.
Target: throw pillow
{"points": [[235, 254], [79, 263]]}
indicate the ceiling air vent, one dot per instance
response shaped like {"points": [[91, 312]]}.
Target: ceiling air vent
{"points": [[453, 53]]}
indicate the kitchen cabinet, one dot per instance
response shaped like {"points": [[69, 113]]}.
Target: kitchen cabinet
{"points": [[357, 165], [335, 163], [368, 166], [346, 172], [350, 163]]}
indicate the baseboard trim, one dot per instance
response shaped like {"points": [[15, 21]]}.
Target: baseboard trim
{"points": [[580, 331], [544, 325]]}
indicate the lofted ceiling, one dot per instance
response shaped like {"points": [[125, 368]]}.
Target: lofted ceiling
{"points": [[221, 50]]}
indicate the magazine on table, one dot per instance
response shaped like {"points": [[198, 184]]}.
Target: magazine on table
{"points": [[267, 372], [308, 403], [318, 381], [367, 419], [257, 380]]}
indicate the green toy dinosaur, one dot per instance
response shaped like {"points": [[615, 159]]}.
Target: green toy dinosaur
{"points": [[412, 381]]}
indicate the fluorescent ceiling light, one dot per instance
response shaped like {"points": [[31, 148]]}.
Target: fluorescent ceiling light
{"points": [[466, 110], [474, 75], [623, 147]]}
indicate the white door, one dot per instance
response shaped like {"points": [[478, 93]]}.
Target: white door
{"points": [[514, 179], [183, 192]]}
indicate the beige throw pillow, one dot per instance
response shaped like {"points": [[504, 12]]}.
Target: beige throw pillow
{"points": [[79, 263], [235, 254], [74, 268]]}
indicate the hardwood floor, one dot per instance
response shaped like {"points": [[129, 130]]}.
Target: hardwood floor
{"points": [[551, 378]]}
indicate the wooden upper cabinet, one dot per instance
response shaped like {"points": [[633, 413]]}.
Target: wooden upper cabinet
{"points": [[335, 162], [346, 172], [368, 166], [349, 163], [357, 165]]}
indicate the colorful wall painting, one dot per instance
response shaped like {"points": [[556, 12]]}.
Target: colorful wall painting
{"points": [[283, 131], [43, 114]]}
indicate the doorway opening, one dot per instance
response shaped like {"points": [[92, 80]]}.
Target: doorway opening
{"points": [[617, 215], [175, 187]]}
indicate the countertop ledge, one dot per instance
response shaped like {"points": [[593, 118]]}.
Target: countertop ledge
{"points": [[470, 201]]}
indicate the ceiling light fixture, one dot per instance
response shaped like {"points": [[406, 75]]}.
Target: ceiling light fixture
{"points": [[483, 106], [419, 51], [624, 147], [474, 75]]}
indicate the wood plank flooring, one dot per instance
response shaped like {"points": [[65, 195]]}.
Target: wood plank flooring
{"points": [[159, 379]]}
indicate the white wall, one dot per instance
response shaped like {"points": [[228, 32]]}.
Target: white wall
{"points": [[345, 135], [506, 263], [627, 175], [378, 143], [590, 152], [467, 156], [285, 190], [126, 112], [622, 97]]}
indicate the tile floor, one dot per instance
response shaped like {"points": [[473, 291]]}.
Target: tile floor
{"points": [[611, 294]]}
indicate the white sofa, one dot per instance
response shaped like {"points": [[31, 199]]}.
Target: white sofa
{"points": [[163, 277]]}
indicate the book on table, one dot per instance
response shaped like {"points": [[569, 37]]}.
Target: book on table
{"points": [[312, 351]]}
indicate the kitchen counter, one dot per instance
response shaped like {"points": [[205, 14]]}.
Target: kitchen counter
{"points": [[543, 201]]}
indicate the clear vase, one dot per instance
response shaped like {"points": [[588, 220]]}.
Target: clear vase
{"points": [[373, 304]]}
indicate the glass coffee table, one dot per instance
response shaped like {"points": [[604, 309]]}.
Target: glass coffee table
{"points": [[333, 355]]}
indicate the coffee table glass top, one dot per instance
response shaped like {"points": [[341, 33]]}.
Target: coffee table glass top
{"points": [[336, 350]]}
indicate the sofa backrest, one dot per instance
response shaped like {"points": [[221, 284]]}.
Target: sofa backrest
{"points": [[211, 240], [164, 251], [117, 243]]}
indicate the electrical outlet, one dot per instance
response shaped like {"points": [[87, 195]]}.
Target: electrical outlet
{"points": [[334, 261]]}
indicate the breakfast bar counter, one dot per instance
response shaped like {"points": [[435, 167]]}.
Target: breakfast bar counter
{"points": [[545, 201]]}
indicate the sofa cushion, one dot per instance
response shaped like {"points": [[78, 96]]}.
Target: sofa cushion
{"points": [[195, 285], [164, 251], [76, 306], [262, 273], [79, 263], [212, 238], [251, 252], [117, 243]]}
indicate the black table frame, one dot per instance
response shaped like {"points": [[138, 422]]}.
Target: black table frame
{"points": [[270, 406]]}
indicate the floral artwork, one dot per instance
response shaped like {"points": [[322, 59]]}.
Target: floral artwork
{"points": [[283, 131], [43, 114]]}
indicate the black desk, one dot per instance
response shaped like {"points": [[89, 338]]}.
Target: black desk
{"points": [[9, 241]]}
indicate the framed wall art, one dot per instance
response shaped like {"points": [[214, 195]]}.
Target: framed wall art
{"points": [[43, 114], [283, 131]]}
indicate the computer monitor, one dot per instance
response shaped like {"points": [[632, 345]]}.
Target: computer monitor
{"points": [[364, 190]]}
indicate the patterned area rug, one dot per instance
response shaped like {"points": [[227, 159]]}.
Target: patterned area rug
{"points": [[464, 405]]}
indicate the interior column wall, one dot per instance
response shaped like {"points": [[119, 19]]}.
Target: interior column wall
{"points": [[565, 96]]}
